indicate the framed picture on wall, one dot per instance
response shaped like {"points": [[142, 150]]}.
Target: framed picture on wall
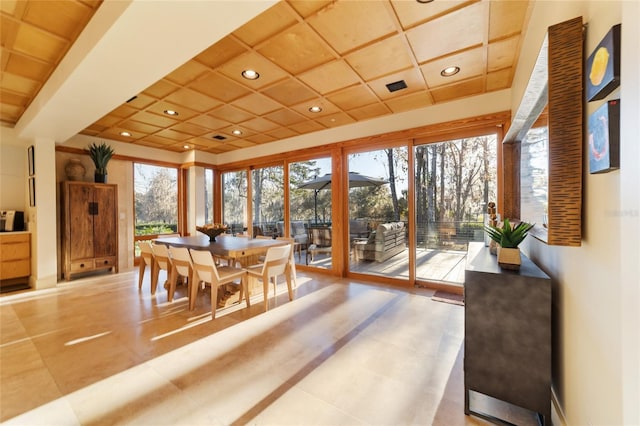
{"points": [[603, 66], [604, 138], [31, 159], [32, 191]]}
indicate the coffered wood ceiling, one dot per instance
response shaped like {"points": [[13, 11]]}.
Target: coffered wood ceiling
{"points": [[339, 55]]}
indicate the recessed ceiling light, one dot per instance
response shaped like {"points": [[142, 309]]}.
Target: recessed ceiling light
{"points": [[250, 74], [186, 146], [127, 134], [424, 1], [170, 112], [315, 108], [237, 132], [449, 71]]}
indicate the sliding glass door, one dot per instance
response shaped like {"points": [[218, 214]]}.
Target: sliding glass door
{"points": [[455, 180]]}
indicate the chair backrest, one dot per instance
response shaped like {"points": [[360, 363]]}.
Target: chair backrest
{"points": [[145, 251], [204, 266], [276, 260], [181, 260], [161, 254]]}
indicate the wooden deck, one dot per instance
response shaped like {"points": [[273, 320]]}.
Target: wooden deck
{"points": [[445, 265]]}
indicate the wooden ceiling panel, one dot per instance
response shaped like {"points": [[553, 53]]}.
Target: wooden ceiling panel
{"points": [[499, 80], [24, 66], [411, 13], [70, 16], [161, 89], [191, 99], [330, 77], [187, 72], [284, 117], [208, 122], [123, 111], [369, 111], [297, 49], [221, 52], [385, 57], [159, 140], [272, 21], [290, 92], [18, 84], [260, 125], [459, 90], [136, 128], [353, 97], [141, 101], [502, 54], [107, 121], [306, 8], [257, 104], [307, 127], [231, 114], [335, 120], [470, 62], [11, 112], [410, 102], [38, 44], [219, 87], [506, 18], [342, 26], [174, 135], [162, 121], [190, 129], [438, 38], [281, 133]]}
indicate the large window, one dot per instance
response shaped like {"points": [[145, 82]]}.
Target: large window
{"points": [[234, 201], [268, 199], [156, 199], [208, 196]]}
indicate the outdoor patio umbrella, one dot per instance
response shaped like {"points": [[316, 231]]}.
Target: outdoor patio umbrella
{"points": [[356, 180]]}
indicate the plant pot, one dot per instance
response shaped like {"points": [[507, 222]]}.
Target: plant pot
{"points": [[509, 258], [100, 177]]}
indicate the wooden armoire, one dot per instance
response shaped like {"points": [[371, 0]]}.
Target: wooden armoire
{"points": [[89, 227]]}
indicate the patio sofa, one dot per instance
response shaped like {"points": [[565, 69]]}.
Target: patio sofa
{"points": [[297, 231], [386, 241]]}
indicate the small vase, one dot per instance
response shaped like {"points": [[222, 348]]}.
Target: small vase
{"points": [[509, 258], [75, 170]]}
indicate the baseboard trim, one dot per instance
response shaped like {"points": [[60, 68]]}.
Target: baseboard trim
{"points": [[557, 415]]}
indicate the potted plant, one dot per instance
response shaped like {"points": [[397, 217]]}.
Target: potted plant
{"points": [[508, 237], [100, 154]]}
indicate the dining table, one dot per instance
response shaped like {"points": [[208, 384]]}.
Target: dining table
{"points": [[242, 249]]}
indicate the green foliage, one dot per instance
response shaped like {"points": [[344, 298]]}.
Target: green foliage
{"points": [[100, 154], [509, 236], [156, 229]]}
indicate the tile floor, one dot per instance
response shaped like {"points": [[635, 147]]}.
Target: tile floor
{"points": [[98, 351]]}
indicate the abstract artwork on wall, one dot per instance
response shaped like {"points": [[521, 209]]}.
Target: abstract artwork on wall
{"points": [[603, 66], [604, 138]]}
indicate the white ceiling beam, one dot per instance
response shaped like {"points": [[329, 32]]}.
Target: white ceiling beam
{"points": [[127, 46]]}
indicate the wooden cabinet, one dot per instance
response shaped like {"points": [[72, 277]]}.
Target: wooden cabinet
{"points": [[507, 342], [15, 255], [89, 227]]}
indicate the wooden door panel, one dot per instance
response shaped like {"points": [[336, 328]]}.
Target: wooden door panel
{"points": [[104, 222], [81, 229]]}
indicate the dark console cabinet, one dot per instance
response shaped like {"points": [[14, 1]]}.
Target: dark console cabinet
{"points": [[507, 343]]}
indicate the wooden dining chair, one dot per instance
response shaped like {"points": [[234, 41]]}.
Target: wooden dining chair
{"points": [[146, 258], [181, 266], [205, 270], [276, 263], [292, 259], [162, 262]]}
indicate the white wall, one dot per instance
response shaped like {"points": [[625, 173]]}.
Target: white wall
{"points": [[595, 361]]}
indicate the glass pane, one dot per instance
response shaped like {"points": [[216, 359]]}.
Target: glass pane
{"points": [[534, 176], [455, 181], [310, 211], [268, 199], [378, 185], [156, 199], [234, 201], [208, 196]]}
